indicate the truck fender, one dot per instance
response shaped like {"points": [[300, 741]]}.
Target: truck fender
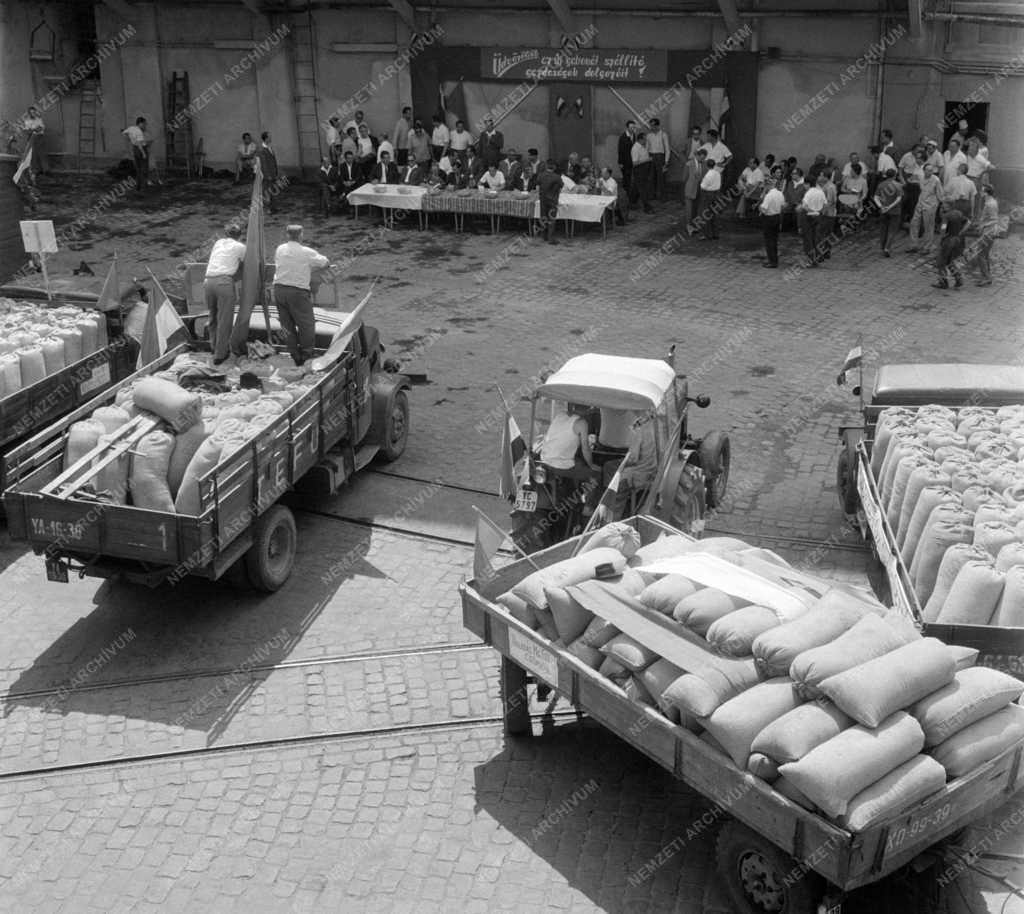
{"points": [[383, 387]]}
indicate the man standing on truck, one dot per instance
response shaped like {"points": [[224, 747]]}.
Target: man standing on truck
{"points": [[219, 289], [293, 263]]}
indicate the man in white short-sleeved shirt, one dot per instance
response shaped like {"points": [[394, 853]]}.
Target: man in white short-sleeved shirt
{"points": [[293, 266], [219, 290]]}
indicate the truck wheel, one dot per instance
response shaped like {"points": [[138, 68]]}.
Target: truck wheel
{"points": [[396, 428], [846, 482], [270, 558], [715, 457], [755, 872]]}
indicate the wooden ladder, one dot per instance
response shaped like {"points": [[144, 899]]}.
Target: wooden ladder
{"points": [[304, 77], [88, 103], [179, 141]]}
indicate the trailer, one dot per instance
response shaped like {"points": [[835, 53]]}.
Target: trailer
{"points": [[766, 838], [915, 385], [355, 411]]}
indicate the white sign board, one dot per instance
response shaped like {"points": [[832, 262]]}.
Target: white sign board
{"points": [[531, 656], [38, 237]]}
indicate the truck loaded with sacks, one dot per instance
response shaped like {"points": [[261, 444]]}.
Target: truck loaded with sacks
{"points": [[844, 741], [934, 477], [179, 469]]}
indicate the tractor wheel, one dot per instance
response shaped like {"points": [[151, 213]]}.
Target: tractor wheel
{"points": [[396, 429], [846, 480], [715, 457], [270, 558], [760, 878]]}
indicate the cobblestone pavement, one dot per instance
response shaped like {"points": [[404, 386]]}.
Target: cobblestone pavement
{"points": [[456, 820]]}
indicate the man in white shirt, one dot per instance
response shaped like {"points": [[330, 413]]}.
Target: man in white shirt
{"points": [[813, 208], [245, 153], [332, 136], [952, 159], [885, 163], [933, 157], [439, 138], [402, 128], [492, 179], [848, 167], [694, 142], [640, 182], [293, 264], [771, 211], [358, 121], [922, 222], [366, 155], [751, 187], [219, 290], [717, 150], [661, 153], [459, 141], [608, 187], [710, 188], [960, 192], [385, 146], [140, 142]]}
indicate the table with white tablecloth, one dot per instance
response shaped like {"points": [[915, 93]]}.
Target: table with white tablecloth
{"points": [[409, 198]]}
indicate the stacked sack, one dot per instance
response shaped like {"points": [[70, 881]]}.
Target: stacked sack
{"points": [[842, 706], [37, 341], [951, 484], [196, 431]]}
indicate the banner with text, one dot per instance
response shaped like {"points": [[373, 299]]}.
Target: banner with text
{"points": [[598, 64]]}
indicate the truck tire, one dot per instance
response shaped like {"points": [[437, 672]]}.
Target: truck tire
{"points": [[270, 558], [715, 455], [754, 872], [846, 479], [396, 428]]}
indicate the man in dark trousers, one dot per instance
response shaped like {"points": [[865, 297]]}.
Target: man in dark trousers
{"points": [[888, 199], [549, 186], [350, 177], [626, 140], [268, 164], [771, 213], [491, 142], [385, 171], [951, 250]]}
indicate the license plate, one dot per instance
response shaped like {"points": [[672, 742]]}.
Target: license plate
{"points": [[526, 500], [57, 571]]}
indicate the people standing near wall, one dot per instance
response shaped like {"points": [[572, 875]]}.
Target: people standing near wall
{"points": [[245, 152], [402, 128], [692, 176], [439, 138], [960, 192], [460, 142], [419, 146], [268, 164], [626, 140], [225, 259], [988, 228], [922, 223], [952, 159], [332, 137], [951, 250], [640, 190], [549, 187], [771, 215], [910, 175], [490, 143], [367, 155], [293, 264], [140, 142], [386, 146], [888, 198], [813, 206], [978, 168], [661, 153], [710, 188], [829, 213], [794, 191]]}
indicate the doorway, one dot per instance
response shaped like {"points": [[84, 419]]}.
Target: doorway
{"points": [[975, 113], [570, 120]]}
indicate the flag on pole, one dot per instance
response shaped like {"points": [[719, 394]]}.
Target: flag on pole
{"points": [[253, 290], [513, 448], [24, 164], [110, 294], [163, 329], [853, 360], [489, 537]]}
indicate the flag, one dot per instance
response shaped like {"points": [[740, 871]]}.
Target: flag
{"points": [[24, 164], [853, 360], [489, 537], [453, 105], [110, 294], [724, 119], [513, 448], [163, 329], [700, 114], [253, 281]]}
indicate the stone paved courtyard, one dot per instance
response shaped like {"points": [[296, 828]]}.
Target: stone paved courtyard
{"points": [[439, 820]]}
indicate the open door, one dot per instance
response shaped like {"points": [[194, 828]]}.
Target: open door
{"points": [[571, 120]]}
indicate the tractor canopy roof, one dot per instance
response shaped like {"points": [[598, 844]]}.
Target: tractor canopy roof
{"points": [[611, 381], [951, 384]]}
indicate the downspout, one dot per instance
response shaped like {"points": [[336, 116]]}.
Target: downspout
{"points": [[876, 117]]}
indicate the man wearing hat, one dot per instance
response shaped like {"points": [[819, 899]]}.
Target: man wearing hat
{"points": [[293, 264], [933, 157]]}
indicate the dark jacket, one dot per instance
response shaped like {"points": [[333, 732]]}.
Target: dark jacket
{"points": [[550, 186], [268, 161], [350, 177], [384, 175], [625, 151], [413, 174], [330, 176], [475, 167], [491, 146], [514, 178]]}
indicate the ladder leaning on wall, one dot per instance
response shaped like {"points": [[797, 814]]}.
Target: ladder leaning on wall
{"points": [[179, 140], [307, 112], [88, 117]]}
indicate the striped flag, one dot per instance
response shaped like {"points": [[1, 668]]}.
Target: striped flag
{"points": [[163, 329], [489, 537], [853, 360], [513, 448]]}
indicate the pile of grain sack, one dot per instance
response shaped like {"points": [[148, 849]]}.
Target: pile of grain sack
{"points": [[842, 706], [37, 341], [951, 484], [196, 431]]}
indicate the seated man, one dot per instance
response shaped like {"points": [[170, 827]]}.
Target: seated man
{"points": [[385, 171], [413, 174], [638, 473], [566, 445], [492, 179], [246, 152], [329, 177], [350, 176], [609, 187]]}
